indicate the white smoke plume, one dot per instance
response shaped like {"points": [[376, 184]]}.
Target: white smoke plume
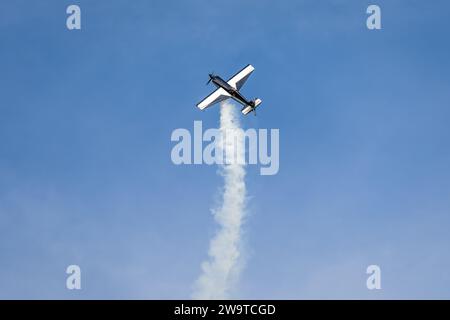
{"points": [[221, 271]]}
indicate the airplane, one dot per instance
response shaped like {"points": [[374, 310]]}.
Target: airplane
{"points": [[230, 89]]}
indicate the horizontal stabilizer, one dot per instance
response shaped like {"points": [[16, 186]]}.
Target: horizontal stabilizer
{"points": [[250, 108]]}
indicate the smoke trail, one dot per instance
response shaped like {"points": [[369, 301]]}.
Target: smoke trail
{"points": [[221, 271]]}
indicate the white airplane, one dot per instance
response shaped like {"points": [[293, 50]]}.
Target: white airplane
{"points": [[230, 89]]}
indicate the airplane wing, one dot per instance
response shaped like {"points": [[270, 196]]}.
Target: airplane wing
{"points": [[215, 97], [238, 80]]}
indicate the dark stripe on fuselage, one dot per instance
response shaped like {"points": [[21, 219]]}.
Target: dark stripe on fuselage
{"points": [[235, 94]]}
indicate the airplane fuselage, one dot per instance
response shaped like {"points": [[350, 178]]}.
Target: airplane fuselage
{"points": [[235, 94]]}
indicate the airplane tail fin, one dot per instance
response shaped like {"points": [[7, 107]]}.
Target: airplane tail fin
{"points": [[254, 104]]}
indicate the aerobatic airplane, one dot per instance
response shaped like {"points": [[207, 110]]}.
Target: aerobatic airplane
{"points": [[230, 89]]}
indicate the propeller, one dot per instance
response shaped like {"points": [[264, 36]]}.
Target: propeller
{"points": [[211, 75]]}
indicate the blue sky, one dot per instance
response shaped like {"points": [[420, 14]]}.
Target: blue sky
{"points": [[85, 124]]}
